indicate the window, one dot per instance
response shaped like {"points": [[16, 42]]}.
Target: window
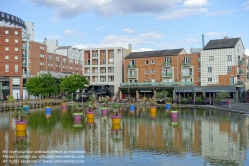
{"points": [[16, 40], [6, 57], [16, 49], [209, 69], [103, 52], [6, 68], [231, 80], [153, 71], [6, 32], [16, 32], [16, 68], [229, 58], [6, 48], [16, 57], [111, 78], [209, 79], [211, 58], [199, 69], [152, 62], [146, 62], [6, 40], [229, 68], [146, 71]]}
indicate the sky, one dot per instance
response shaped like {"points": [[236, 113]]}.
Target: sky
{"points": [[146, 24]]}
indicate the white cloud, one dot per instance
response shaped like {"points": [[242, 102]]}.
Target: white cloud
{"points": [[246, 5], [182, 13], [123, 41], [72, 32], [217, 13], [128, 30], [53, 37], [141, 49], [100, 27], [195, 3], [247, 51], [71, 8], [69, 32], [192, 40], [214, 34]]}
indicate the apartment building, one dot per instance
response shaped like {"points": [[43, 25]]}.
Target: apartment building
{"points": [[104, 68], [151, 71]]}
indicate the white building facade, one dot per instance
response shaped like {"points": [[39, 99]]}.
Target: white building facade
{"points": [[221, 60]]}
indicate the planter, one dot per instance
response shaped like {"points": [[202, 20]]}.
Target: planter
{"points": [[116, 119], [77, 116], [167, 106], [152, 108], [48, 110], [132, 107], [90, 115], [21, 125], [116, 127], [90, 121], [21, 134], [77, 123], [26, 108], [104, 111], [174, 114]]}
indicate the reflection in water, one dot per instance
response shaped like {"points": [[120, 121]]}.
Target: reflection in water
{"points": [[205, 137]]}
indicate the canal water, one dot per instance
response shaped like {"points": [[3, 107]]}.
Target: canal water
{"points": [[195, 137]]}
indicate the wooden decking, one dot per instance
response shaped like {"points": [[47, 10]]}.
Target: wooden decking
{"points": [[7, 105]]}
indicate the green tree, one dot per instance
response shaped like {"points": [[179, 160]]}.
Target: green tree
{"points": [[43, 84], [222, 95], [162, 94], [70, 84]]}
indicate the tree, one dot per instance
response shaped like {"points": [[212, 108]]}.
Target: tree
{"points": [[222, 95], [162, 94], [70, 84], [44, 84]]}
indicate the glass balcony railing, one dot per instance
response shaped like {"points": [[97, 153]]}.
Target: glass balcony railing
{"points": [[239, 83], [240, 62], [187, 74], [186, 63], [135, 84], [247, 74], [166, 64], [102, 72], [24, 64], [166, 74], [247, 64], [132, 75], [240, 72], [24, 55], [131, 66], [24, 47]]}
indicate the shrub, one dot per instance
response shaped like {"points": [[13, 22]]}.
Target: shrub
{"points": [[199, 100]]}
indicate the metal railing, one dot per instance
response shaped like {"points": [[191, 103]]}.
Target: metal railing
{"points": [[155, 84], [187, 74], [165, 64], [186, 63], [131, 75], [166, 74]]}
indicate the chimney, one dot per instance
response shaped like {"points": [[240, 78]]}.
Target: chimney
{"points": [[203, 42], [130, 47]]}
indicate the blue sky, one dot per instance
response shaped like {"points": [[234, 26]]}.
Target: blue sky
{"points": [[146, 24]]}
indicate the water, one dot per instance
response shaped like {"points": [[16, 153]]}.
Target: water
{"points": [[196, 137]]}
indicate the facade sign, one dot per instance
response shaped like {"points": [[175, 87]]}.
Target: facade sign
{"points": [[145, 91]]}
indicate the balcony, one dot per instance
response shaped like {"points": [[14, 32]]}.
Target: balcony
{"points": [[95, 55], [24, 64], [24, 55], [155, 84], [247, 74], [167, 75], [240, 72], [24, 47], [239, 83], [247, 65], [166, 64], [87, 72], [241, 62], [102, 72], [187, 74], [186, 63], [131, 66], [132, 76]]}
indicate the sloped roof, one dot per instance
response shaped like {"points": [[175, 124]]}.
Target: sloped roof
{"points": [[157, 53], [63, 47], [221, 43]]}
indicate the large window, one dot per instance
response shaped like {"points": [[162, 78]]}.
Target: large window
{"points": [[209, 79], [209, 69], [16, 68], [229, 58], [229, 68], [6, 68]]}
